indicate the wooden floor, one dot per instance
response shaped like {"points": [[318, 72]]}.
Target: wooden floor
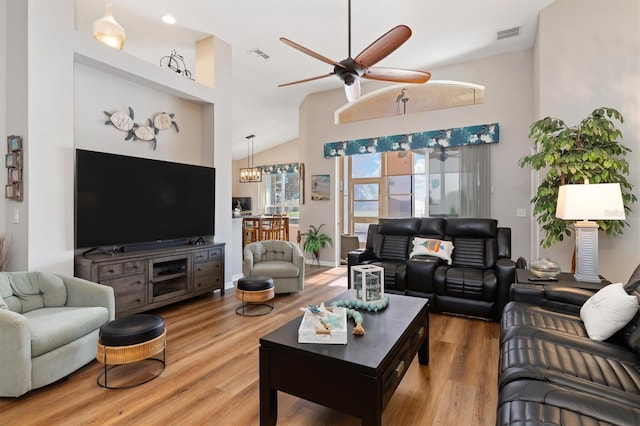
{"points": [[212, 373]]}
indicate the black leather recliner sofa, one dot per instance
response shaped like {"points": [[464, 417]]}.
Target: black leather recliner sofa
{"points": [[477, 281], [552, 373]]}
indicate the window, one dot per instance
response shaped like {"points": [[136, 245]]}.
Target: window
{"points": [[454, 182], [282, 194]]}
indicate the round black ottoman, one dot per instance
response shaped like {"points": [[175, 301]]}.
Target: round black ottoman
{"points": [[131, 339], [254, 291]]}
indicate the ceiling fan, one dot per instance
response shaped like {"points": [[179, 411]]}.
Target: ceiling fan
{"points": [[351, 69]]}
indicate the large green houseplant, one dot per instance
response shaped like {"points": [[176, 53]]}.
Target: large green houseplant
{"points": [[589, 151], [314, 241]]}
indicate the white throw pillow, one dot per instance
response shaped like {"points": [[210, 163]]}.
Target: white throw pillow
{"points": [[437, 248], [607, 311]]}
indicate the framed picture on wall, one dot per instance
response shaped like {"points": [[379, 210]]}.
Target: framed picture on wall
{"points": [[15, 175], [10, 160], [320, 188], [8, 191], [14, 143], [17, 191], [18, 159]]}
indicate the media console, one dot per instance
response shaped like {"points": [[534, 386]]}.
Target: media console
{"points": [[144, 280]]}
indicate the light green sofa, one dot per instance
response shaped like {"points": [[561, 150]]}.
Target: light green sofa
{"points": [[49, 327], [281, 260]]}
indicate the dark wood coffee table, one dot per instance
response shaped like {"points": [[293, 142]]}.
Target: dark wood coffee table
{"points": [[358, 378]]}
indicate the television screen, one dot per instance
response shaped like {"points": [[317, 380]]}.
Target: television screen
{"points": [[126, 200]]}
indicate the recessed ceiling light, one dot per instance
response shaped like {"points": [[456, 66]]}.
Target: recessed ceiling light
{"points": [[168, 19]]}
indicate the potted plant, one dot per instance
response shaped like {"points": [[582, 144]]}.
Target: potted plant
{"points": [[589, 151], [314, 241]]}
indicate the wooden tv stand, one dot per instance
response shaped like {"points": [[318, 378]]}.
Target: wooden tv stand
{"points": [[144, 280]]}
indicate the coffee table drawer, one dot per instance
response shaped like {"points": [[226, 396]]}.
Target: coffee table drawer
{"points": [[393, 374]]}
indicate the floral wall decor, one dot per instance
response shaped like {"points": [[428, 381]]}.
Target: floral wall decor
{"points": [[457, 136]]}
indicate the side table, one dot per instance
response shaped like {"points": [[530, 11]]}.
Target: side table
{"points": [[565, 279]]}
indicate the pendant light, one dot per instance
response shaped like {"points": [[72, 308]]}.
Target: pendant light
{"points": [[250, 173], [106, 30]]}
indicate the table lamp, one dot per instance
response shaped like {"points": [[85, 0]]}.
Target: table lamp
{"points": [[585, 202]]}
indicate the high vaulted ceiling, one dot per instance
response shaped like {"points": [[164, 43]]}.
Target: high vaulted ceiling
{"points": [[444, 32]]}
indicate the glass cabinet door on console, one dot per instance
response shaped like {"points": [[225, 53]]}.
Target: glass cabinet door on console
{"points": [[168, 277]]}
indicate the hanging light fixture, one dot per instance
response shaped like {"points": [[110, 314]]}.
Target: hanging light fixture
{"points": [[106, 30], [250, 173]]}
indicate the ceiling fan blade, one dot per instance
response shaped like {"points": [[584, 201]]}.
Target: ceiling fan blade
{"points": [[306, 79], [382, 47], [397, 75], [311, 52]]}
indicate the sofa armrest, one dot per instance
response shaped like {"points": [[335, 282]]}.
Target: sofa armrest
{"points": [[15, 354], [247, 263], [81, 292], [358, 256], [298, 257], [420, 272], [506, 275], [563, 299]]}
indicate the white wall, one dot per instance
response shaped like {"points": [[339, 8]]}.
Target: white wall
{"points": [[13, 119], [588, 56], [509, 101], [96, 91], [57, 103]]}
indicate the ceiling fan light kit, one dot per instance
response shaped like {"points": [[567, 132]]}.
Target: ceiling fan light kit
{"points": [[350, 70]]}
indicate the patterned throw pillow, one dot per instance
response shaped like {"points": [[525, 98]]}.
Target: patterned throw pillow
{"points": [[437, 248]]}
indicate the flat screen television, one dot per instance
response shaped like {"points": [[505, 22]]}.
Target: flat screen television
{"points": [[122, 200]]}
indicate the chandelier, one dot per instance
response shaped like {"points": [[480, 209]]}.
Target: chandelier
{"points": [[250, 173]]}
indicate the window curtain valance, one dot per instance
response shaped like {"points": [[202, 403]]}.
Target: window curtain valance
{"points": [[274, 169], [458, 136]]}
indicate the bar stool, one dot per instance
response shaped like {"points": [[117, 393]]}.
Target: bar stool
{"points": [[250, 231], [272, 228]]}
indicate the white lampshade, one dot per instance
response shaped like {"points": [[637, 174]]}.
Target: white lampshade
{"points": [[596, 201], [581, 202], [106, 30]]}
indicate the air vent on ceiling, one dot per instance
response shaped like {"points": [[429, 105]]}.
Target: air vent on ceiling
{"points": [[258, 53], [511, 32]]}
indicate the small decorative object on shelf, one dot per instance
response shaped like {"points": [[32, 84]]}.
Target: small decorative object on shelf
{"points": [[367, 282], [14, 161], [545, 268], [175, 63]]}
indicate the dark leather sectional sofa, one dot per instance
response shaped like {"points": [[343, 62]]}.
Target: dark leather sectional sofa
{"points": [[552, 373], [475, 284]]}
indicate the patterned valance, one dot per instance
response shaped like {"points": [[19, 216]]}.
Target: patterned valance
{"points": [[458, 136], [274, 169]]}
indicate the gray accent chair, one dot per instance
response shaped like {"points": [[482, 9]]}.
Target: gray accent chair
{"points": [[49, 327], [281, 260]]}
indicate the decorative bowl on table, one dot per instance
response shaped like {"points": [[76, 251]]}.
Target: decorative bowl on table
{"points": [[545, 268]]}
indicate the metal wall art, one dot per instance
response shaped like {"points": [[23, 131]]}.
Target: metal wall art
{"points": [[123, 121]]}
